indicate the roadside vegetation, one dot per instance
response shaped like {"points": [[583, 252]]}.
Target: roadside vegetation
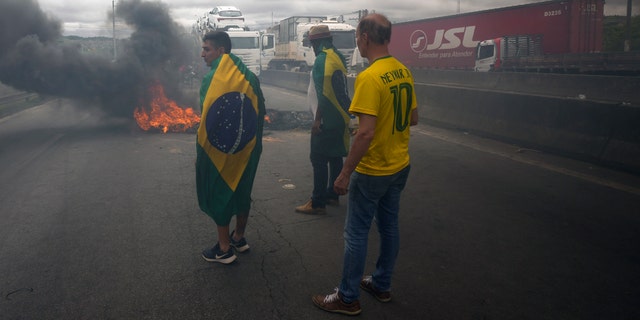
{"points": [[614, 34]]}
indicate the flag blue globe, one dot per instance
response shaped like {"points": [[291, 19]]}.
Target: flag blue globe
{"points": [[231, 122]]}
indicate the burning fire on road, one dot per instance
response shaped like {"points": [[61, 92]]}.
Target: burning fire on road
{"points": [[164, 114]]}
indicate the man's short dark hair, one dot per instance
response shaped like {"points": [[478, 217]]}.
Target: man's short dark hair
{"points": [[219, 39]]}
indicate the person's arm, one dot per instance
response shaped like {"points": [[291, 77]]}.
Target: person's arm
{"points": [[317, 74], [414, 117], [359, 148], [315, 128]]}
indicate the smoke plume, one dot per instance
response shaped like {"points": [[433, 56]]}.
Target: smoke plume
{"points": [[33, 59]]}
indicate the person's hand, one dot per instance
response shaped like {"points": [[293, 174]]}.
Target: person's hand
{"points": [[315, 128], [341, 185]]}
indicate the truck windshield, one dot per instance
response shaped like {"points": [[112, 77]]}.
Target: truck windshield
{"points": [[245, 43], [344, 39], [485, 52]]}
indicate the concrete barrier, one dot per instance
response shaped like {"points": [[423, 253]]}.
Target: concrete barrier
{"points": [[601, 125], [600, 88]]}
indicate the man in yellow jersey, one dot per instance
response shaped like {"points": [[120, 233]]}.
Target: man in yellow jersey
{"points": [[376, 168]]}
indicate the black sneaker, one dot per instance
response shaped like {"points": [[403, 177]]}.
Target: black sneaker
{"points": [[216, 255], [240, 245], [367, 285]]}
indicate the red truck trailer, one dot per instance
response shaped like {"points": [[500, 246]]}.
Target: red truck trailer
{"points": [[566, 26]]}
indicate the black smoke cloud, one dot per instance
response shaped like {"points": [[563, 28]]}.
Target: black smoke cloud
{"points": [[33, 59]]}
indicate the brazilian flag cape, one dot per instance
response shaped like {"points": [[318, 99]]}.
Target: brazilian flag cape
{"points": [[330, 81], [229, 140]]}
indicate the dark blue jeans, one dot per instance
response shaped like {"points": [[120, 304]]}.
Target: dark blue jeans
{"points": [[325, 171], [371, 197]]}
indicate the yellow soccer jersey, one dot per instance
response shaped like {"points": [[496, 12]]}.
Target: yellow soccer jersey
{"points": [[385, 90]]}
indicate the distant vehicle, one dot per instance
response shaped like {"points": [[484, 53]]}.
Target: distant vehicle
{"points": [[200, 26], [548, 36], [225, 18], [358, 63], [248, 47], [268, 42], [525, 53], [491, 53], [293, 51]]}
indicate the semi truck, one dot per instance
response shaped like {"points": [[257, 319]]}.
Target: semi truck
{"points": [[293, 51], [572, 29], [247, 46]]}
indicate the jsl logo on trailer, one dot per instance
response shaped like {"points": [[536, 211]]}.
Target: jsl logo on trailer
{"points": [[443, 39]]}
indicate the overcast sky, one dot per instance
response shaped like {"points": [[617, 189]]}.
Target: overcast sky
{"points": [[89, 17]]}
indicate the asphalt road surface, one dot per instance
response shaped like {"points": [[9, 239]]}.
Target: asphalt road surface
{"points": [[99, 220]]}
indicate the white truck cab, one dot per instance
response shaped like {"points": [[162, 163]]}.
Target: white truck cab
{"points": [[247, 46], [486, 56]]}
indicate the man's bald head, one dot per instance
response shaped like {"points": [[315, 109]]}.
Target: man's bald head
{"points": [[377, 27]]}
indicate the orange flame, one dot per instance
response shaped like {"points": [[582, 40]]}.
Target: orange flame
{"points": [[165, 114]]}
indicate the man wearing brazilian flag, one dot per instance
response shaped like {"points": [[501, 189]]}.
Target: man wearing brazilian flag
{"points": [[229, 144], [329, 100]]}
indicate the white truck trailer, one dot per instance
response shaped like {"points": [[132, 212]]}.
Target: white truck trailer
{"points": [[293, 51]]}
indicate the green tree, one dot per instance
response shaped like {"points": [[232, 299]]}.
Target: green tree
{"points": [[614, 33]]}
